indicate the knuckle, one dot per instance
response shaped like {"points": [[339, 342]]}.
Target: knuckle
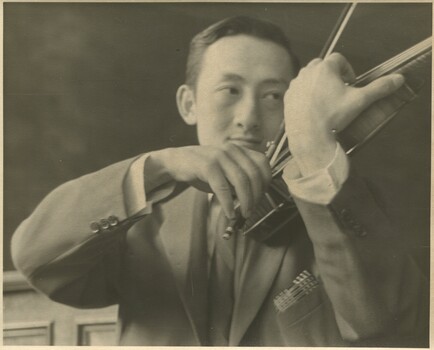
{"points": [[335, 57], [390, 86], [302, 73], [263, 162], [243, 178], [219, 152], [222, 188], [333, 61], [210, 167], [288, 93], [228, 148], [314, 62], [220, 185], [225, 147], [255, 176], [217, 155], [326, 66], [361, 100]]}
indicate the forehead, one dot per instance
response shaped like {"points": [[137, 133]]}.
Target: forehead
{"points": [[251, 58]]}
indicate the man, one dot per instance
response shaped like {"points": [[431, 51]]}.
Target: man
{"points": [[129, 235]]}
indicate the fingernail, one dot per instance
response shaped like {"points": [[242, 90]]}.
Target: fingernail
{"points": [[398, 79]]}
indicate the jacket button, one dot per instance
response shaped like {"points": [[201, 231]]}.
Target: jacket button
{"points": [[104, 223], [94, 227], [113, 220], [351, 222], [345, 214], [360, 230]]}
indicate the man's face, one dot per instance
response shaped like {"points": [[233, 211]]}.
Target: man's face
{"points": [[239, 91]]}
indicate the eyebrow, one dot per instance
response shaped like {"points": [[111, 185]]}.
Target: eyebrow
{"points": [[232, 77], [275, 81], [236, 77]]}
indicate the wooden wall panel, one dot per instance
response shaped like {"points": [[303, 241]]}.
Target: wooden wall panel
{"points": [[30, 318], [96, 331], [28, 333]]}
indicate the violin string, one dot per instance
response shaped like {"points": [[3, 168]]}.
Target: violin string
{"points": [[386, 67], [278, 148], [285, 152], [281, 191], [276, 171], [273, 144], [407, 54], [271, 200], [258, 222], [281, 223], [392, 63]]}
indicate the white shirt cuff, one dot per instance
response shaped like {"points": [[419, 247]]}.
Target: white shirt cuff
{"points": [[138, 202], [323, 185]]}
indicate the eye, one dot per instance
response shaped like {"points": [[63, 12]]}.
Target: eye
{"points": [[274, 95], [230, 90]]}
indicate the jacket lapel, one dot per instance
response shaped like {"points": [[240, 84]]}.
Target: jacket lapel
{"points": [[184, 238], [260, 266]]}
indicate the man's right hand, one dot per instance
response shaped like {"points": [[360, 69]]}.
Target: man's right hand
{"points": [[228, 170]]}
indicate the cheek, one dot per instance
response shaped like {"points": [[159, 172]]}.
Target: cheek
{"points": [[214, 117], [212, 128], [272, 125]]}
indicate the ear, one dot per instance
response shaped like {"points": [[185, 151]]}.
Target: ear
{"points": [[186, 104]]}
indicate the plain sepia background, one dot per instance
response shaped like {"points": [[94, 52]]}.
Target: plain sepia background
{"points": [[90, 84]]}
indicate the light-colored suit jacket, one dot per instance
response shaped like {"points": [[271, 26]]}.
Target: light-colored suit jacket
{"points": [[370, 291]]}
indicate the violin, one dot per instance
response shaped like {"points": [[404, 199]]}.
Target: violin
{"points": [[277, 208]]}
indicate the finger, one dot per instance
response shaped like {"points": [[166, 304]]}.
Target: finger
{"points": [[340, 64], [363, 97], [241, 183], [382, 87], [222, 189], [314, 62], [262, 164], [255, 165]]}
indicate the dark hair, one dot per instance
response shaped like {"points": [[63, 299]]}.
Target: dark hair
{"points": [[229, 27]]}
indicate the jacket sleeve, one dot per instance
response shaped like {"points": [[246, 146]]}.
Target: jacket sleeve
{"points": [[70, 248], [379, 295]]}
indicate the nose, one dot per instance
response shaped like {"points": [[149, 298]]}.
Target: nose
{"points": [[247, 114]]}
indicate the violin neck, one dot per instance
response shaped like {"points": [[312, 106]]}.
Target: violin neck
{"points": [[394, 63]]}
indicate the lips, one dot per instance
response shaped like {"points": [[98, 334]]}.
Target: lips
{"points": [[248, 142]]}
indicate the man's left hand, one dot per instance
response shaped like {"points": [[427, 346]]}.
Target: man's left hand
{"points": [[320, 102]]}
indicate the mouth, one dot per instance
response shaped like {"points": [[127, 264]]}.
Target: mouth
{"points": [[247, 142]]}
